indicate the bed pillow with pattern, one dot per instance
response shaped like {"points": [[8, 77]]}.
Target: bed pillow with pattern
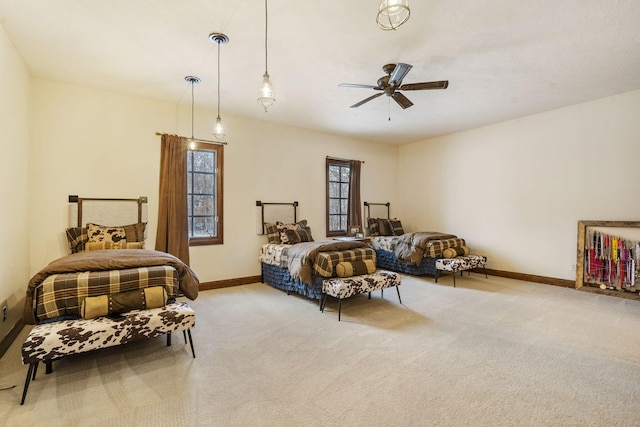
{"points": [[272, 232], [300, 225], [372, 225], [78, 237]]}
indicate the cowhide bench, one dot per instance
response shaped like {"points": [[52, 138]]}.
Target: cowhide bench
{"points": [[51, 341], [344, 287], [461, 264]]}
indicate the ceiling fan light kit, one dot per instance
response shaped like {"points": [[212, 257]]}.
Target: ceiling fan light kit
{"points": [[392, 14], [391, 84]]}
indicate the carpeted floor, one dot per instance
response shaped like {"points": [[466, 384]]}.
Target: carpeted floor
{"points": [[489, 352]]}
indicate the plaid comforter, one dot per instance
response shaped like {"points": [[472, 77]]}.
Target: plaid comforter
{"points": [[412, 247], [303, 259], [77, 275], [62, 294]]}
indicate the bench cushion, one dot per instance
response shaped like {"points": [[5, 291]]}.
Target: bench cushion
{"points": [[50, 341], [348, 286], [461, 263]]}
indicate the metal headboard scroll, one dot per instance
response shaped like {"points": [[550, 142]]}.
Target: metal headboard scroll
{"points": [[262, 205], [79, 200], [369, 204]]}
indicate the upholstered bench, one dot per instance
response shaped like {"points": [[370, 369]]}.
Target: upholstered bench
{"points": [[344, 287], [51, 341], [461, 264]]}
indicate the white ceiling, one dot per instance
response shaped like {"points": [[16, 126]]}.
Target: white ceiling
{"points": [[503, 58]]}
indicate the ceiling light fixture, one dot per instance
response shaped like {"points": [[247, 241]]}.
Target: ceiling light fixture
{"points": [[218, 128], [392, 14], [193, 80], [266, 98]]}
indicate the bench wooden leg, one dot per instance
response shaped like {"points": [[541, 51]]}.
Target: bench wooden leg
{"points": [[49, 365], [33, 366], [398, 290], [339, 308], [168, 339]]}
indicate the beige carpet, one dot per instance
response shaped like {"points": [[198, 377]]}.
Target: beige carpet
{"points": [[489, 352]]}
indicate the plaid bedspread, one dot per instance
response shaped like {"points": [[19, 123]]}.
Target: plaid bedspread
{"points": [[433, 248], [302, 258], [61, 295], [325, 262]]}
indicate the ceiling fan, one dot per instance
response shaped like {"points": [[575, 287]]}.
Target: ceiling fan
{"points": [[391, 83]]}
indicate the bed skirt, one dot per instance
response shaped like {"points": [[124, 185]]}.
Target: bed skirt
{"points": [[281, 279], [389, 261]]}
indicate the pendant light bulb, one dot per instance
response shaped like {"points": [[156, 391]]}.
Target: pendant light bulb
{"points": [[266, 98], [218, 129]]}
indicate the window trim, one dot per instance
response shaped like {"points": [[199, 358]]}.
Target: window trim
{"points": [[333, 162], [219, 239]]}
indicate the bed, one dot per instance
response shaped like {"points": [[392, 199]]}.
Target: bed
{"points": [[292, 261], [413, 253], [104, 260]]}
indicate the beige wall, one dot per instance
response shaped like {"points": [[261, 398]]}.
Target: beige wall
{"points": [[14, 181], [101, 144], [516, 190]]}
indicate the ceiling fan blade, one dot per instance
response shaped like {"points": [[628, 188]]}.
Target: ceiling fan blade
{"points": [[359, 85], [443, 84], [401, 70], [367, 100], [402, 100]]}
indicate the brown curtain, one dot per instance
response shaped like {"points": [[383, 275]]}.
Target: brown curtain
{"points": [[173, 232], [354, 218]]}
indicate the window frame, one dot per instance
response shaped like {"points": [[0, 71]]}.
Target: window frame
{"points": [[342, 163], [219, 196]]}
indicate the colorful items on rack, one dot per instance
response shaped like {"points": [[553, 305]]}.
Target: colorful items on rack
{"points": [[611, 261]]}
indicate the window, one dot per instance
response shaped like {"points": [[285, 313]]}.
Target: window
{"points": [[204, 194], [337, 197]]}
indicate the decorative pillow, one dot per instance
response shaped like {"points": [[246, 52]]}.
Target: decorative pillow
{"points": [[355, 268], [135, 232], [454, 252], [77, 238], [372, 225], [271, 230], [102, 233], [282, 228], [122, 302], [299, 236], [123, 244], [396, 227], [385, 227]]}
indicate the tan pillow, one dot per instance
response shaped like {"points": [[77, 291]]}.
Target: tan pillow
{"points": [[94, 246], [454, 252], [355, 268]]}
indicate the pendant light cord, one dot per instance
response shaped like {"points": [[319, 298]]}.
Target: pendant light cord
{"points": [[266, 24], [192, 82], [218, 80]]}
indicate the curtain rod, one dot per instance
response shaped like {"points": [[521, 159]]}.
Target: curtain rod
{"points": [[196, 139], [343, 160]]}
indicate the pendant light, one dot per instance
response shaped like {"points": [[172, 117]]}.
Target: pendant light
{"points": [[266, 98], [392, 14], [193, 80], [218, 127]]}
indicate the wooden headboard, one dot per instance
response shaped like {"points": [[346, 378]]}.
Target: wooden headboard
{"points": [[380, 210], [106, 211], [286, 212]]}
